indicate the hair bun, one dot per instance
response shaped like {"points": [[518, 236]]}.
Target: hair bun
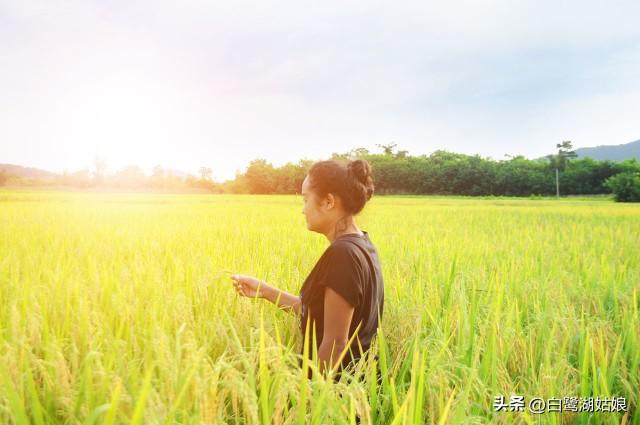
{"points": [[360, 169], [351, 181]]}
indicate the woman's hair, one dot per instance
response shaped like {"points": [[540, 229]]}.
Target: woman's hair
{"points": [[351, 181]]}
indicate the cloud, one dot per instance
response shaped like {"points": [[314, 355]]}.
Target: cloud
{"points": [[225, 82]]}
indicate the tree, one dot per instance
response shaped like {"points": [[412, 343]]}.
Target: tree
{"points": [[205, 173], [158, 172], [129, 176], [625, 186], [402, 154], [100, 168], [388, 148], [260, 176], [358, 153], [559, 161], [157, 178], [80, 178], [205, 181], [4, 176]]}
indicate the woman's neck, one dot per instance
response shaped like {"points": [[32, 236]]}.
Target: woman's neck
{"points": [[343, 227]]}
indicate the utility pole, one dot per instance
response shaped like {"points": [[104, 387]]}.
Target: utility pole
{"points": [[559, 161]]}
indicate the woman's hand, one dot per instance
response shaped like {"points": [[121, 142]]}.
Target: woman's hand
{"points": [[247, 286]]}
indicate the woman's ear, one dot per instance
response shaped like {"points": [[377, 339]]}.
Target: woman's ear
{"points": [[331, 201]]}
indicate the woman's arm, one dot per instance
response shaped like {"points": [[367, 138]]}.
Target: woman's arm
{"points": [[337, 320], [282, 299], [251, 287]]}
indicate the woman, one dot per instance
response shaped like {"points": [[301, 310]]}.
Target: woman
{"points": [[343, 296]]}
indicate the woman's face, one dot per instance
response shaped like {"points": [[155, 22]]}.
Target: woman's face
{"points": [[315, 211]]}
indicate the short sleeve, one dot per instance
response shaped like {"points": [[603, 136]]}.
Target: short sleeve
{"points": [[343, 272]]}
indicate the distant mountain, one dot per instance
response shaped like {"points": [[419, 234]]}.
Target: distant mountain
{"points": [[611, 152], [37, 173], [27, 172]]}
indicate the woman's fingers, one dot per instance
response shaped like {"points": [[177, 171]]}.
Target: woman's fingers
{"points": [[237, 283], [242, 286]]}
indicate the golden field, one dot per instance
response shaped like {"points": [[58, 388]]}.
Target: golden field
{"points": [[118, 308]]}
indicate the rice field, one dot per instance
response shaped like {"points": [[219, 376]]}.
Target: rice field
{"points": [[118, 309]]}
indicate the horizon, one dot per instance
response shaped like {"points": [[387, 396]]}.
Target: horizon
{"points": [[220, 85], [195, 173]]}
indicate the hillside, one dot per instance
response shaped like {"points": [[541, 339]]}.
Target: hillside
{"points": [[27, 172], [612, 152]]}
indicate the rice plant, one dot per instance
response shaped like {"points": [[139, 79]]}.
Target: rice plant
{"points": [[118, 308]]}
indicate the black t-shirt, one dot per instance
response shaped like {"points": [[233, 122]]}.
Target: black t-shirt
{"points": [[350, 267]]}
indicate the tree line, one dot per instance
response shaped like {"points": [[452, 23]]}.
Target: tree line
{"points": [[394, 172], [448, 173]]}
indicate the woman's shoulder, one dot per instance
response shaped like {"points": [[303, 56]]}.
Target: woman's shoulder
{"points": [[353, 247], [340, 247], [353, 242]]}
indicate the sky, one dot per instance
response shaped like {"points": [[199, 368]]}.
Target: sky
{"points": [[192, 83]]}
